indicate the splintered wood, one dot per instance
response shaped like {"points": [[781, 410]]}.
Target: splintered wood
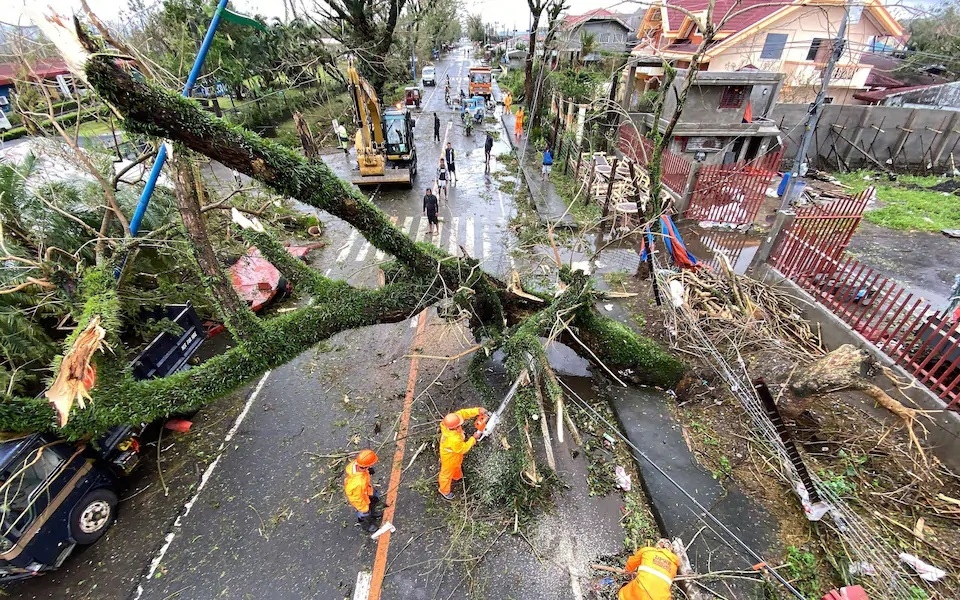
{"points": [[596, 170]]}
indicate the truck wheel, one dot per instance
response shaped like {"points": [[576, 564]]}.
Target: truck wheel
{"points": [[93, 516]]}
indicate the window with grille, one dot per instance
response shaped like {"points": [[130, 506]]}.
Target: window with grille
{"points": [[773, 46], [733, 96]]}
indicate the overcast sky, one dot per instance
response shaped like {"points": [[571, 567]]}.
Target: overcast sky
{"points": [[509, 13]]}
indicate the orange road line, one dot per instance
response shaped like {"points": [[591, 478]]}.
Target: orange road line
{"points": [[383, 542]]}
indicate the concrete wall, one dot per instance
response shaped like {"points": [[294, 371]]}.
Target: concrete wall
{"points": [[911, 138], [943, 427]]}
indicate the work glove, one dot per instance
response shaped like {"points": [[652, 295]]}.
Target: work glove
{"points": [[372, 471]]}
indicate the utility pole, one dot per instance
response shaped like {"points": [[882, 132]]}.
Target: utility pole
{"points": [[413, 60], [813, 115]]}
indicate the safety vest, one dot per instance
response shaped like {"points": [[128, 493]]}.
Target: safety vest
{"points": [[357, 487], [655, 568]]}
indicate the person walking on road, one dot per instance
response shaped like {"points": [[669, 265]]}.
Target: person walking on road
{"points": [[442, 180], [436, 128], [431, 208], [507, 101], [451, 156], [518, 124], [487, 149], [454, 444], [655, 568], [547, 164], [360, 492]]}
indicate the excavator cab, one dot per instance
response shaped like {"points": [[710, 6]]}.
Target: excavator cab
{"points": [[398, 125]]}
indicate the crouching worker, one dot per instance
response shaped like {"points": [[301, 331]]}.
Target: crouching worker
{"points": [[454, 445], [655, 568], [359, 490]]}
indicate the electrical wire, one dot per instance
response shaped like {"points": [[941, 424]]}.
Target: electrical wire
{"points": [[710, 519]]}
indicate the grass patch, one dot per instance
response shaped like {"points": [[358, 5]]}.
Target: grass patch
{"points": [[586, 214], [909, 203]]}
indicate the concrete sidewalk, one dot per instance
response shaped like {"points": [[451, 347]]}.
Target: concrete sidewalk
{"points": [[551, 207]]}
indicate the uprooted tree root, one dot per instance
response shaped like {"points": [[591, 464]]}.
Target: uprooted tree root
{"points": [[841, 369]]}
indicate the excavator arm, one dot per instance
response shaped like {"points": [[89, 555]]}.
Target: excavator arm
{"points": [[367, 105]]}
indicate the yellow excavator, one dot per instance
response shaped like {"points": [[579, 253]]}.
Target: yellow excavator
{"points": [[386, 153]]}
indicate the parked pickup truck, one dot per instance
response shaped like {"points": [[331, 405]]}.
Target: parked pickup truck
{"points": [[56, 495]]}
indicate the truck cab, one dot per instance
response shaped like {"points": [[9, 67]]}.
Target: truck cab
{"points": [[429, 75], [481, 82], [56, 495]]}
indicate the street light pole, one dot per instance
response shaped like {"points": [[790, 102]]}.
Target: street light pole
{"points": [[813, 115]]}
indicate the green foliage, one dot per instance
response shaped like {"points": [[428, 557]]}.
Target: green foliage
{"points": [[579, 85], [909, 203], [475, 28], [935, 33], [802, 569], [275, 108], [647, 101]]}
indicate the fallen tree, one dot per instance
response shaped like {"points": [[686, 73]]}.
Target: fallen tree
{"points": [[420, 276]]}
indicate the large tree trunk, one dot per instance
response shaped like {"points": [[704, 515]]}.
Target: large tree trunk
{"points": [[238, 317], [423, 275]]}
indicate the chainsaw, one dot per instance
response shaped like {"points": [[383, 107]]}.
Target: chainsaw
{"points": [[485, 424]]}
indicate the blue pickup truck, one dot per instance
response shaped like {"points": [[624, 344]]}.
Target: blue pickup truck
{"points": [[56, 495]]}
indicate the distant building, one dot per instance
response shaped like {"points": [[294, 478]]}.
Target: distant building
{"points": [[51, 71], [795, 39], [609, 31]]}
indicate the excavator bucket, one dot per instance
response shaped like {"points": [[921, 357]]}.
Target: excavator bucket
{"points": [[389, 177]]}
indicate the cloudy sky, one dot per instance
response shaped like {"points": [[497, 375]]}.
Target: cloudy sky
{"points": [[509, 13]]}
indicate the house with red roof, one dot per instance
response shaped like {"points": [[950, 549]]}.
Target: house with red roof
{"points": [[793, 38], [608, 31], [43, 70]]}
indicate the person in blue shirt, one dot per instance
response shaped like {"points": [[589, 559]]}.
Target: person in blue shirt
{"points": [[547, 164]]}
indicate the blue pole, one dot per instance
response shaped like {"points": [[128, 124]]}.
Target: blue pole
{"points": [[187, 87]]}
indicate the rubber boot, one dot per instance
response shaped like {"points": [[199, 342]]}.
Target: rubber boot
{"points": [[370, 523]]}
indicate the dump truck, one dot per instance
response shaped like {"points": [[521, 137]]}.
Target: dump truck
{"points": [[386, 152], [481, 82]]}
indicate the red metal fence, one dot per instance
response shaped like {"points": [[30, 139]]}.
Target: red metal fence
{"points": [[732, 193], [675, 169], [902, 325]]}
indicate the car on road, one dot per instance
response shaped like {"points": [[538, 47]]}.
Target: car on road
{"points": [[429, 75], [56, 495]]}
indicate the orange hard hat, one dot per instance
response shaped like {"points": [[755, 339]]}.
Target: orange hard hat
{"points": [[452, 421], [367, 458]]}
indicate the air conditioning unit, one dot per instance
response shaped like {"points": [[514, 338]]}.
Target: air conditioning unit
{"points": [[4, 101]]}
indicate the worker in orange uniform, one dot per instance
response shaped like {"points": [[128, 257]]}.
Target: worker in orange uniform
{"points": [[507, 101], [518, 124], [655, 568], [360, 492], [454, 445]]}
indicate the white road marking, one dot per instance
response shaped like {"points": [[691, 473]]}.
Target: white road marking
{"points": [[487, 243], [503, 211], [203, 483], [468, 239], [347, 247], [421, 229], [363, 252], [408, 226], [379, 255], [454, 235], [361, 591]]}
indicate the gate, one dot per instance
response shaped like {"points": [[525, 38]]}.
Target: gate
{"points": [[732, 193]]}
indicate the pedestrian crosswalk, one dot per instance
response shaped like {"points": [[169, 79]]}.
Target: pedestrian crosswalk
{"points": [[481, 240]]}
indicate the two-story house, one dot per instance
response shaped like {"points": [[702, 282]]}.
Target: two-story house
{"points": [[607, 31], [795, 39]]}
